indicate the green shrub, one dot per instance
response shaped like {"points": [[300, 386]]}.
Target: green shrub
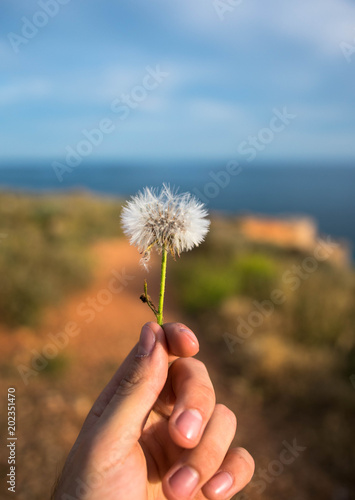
{"points": [[257, 275], [205, 281], [204, 285], [37, 274], [56, 366], [44, 249], [320, 310]]}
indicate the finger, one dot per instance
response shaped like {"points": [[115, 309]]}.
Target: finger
{"points": [[197, 466], [182, 342], [234, 474], [140, 385], [194, 404], [142, 378]]}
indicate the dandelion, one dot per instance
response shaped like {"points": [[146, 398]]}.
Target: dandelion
{"points": [[167, 221]]}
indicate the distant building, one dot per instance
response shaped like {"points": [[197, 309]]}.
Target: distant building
{"points": [[299, 233]]}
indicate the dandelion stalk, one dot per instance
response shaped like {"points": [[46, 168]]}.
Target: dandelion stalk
{"points": [[145, 298], [164, 259], [168, 222]]}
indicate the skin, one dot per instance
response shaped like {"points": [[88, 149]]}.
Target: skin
{"points": [[132, 441]]}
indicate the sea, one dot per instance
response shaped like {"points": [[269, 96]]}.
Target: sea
{"points": [[325, 192]]}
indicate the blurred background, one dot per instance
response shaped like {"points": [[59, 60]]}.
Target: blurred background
{"points": [[247, 105]]}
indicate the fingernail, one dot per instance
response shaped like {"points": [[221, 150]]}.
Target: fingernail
{"points": [[146, 342], [184, 481], [220, 483], [189, 333], [189, 423]]}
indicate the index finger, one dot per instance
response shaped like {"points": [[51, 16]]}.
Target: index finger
{"points": [[180, 342]]}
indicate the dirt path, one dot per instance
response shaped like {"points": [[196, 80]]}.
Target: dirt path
{"points": [[110, 313]]}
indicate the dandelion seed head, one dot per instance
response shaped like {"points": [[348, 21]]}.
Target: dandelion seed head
{"points": [[164, 219]]}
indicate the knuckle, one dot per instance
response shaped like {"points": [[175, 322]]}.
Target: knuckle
{"points": [[210, 461], [248, 459], [149, 323], [227, 414], [198, 364], [130, 380], [206, 392]]}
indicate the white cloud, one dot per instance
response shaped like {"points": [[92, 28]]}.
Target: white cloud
{"points": [[322, 23], [322, 114], [120, 79], [155, 104], [24, 90], [216, 112]]}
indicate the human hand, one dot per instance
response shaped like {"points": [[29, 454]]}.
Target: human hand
{"points": [[155, 431]]}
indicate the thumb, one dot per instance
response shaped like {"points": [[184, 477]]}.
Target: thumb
{"points": [[137, 390]]}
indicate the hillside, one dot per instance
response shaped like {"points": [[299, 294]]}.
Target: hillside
{"points": [[285, 368]]}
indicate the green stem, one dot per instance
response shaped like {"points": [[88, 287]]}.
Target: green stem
{"points": [[164, 258], [145, 298]]}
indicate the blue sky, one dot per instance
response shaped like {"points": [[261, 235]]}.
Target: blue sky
{"points": [[230, 63]]}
